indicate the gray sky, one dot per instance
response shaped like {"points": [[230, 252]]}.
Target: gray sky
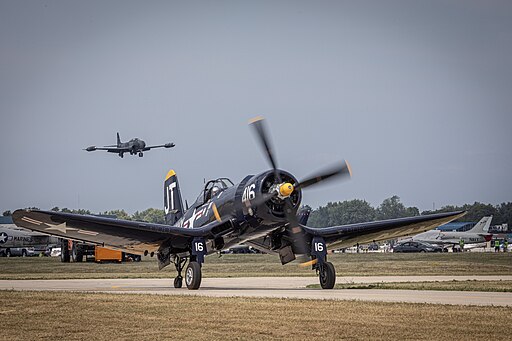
{"points": [[416, 95]]}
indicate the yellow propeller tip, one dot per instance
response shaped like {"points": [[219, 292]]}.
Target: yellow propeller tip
{"points": [[311, 262], [256, 119], [349, 168]]}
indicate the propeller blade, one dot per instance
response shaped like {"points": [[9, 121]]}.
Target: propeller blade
{"points": [[261, 132], [343, 170], [295, 229]]}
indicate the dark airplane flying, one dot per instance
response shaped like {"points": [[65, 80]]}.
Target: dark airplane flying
{"points": [[133, 147], [261, 211]]}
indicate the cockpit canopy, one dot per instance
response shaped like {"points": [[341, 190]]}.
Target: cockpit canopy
{"points": [[212, 188]]}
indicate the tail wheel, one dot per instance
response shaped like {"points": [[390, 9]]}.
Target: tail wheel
{"points": [[327, 275], [193, 276], [178, 282]]}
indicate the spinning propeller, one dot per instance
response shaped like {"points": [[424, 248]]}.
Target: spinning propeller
{"points": [[283, 190]]}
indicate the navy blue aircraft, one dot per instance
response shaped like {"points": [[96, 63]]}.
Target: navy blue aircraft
{"points": [[134, 146], [261, 211]]}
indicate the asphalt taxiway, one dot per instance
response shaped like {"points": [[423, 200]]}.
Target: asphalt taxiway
{"points": [[279, 287]]}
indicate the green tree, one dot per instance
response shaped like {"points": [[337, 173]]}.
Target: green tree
{"points": [[341, 213], [151, 215], [7, 213], [120, 214], [392, 208]]}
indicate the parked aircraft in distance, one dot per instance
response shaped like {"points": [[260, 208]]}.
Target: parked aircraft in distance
{"points": [[479, 234], [133, 147], [15, 241], [260, 211]]}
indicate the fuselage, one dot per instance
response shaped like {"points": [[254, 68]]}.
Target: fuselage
{"points": [[236, 201], [443, 238]]}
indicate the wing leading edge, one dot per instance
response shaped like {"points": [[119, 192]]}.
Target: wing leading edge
{"points": [[350, 235], [131, 236]]}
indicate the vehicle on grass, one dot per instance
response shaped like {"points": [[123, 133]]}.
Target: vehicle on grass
{"points": [[18, 252], [259, 211], [412, 246]]}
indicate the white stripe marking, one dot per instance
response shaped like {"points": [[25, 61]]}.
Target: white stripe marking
{"points": [[32, 221], [90, 233]]}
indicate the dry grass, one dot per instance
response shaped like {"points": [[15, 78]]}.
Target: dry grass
{"points": [[469, 285], [267, 265], [74, 316]]}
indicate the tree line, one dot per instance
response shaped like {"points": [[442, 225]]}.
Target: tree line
{"points": [[358, 211], [151, 215]]}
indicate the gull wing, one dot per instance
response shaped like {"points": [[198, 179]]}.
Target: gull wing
{"points": [[363, 233], [126, 235]]}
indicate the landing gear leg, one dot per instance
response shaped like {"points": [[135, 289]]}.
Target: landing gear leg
{"points": [[324, 269], [179, 263]]}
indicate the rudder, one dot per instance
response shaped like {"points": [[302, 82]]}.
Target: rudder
{"points": [[482, 226], [173, 205]]}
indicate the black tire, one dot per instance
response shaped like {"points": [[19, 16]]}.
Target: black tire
{"points": [[79, 256], [23, 253], [64, 251], [141, 155], [137, 258], [193, 276], [327, 275], [178, 282], [422, 251]]}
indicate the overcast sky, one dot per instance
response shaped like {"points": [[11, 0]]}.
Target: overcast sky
{"points": [[417, 96]]}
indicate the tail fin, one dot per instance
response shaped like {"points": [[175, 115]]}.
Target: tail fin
{"points": [[482, 226], [118, 140], [173, 204]]}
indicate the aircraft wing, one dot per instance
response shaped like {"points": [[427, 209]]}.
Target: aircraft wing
{"points": [[110, 149], [167, 145], [363, 233], [126, 235]]}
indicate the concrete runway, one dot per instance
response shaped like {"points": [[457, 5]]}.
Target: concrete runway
{"points": [[278, 287]]}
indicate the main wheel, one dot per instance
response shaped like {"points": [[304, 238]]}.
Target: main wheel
{"points": [[64, 251], [193, 276], [327, 275], [140, 154], [178, 282]]}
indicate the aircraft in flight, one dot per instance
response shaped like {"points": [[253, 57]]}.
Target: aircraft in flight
{"points": [[477, 235], [134, 146], [259, 211]]}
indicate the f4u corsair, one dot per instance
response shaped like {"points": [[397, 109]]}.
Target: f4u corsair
{"points": [[260, 211], [133, 147]]}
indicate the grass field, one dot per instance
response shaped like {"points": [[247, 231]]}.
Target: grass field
{"points": [[76, 316], [372, 264], [470, 285]]}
